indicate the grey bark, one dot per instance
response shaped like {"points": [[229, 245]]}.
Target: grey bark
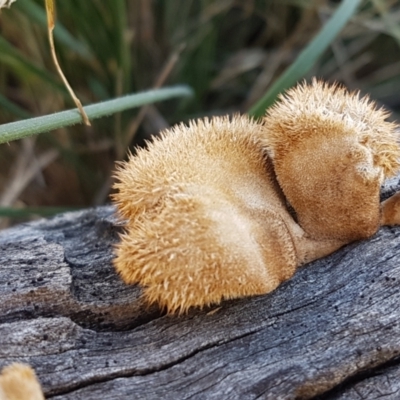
{"points": [[331, 332]]}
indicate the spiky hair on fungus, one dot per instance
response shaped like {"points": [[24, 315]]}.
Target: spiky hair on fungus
{"points": [[195, 203], [331, 150], [326, 109], [19, 381], [206, 204]]}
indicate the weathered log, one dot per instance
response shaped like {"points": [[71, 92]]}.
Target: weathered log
{"points": [[331, 332]]}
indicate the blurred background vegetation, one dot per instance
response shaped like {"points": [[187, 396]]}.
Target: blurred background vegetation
{"points": [[228, 51]]}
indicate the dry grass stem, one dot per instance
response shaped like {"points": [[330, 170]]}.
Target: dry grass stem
{"points": [[50, 24]]}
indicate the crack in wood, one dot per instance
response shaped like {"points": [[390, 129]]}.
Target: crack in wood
{"points": [[358, 378], [128, 374], [332, 330]]}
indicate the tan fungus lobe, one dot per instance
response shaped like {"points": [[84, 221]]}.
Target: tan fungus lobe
{"points": [[206, 205], [19, 382]]}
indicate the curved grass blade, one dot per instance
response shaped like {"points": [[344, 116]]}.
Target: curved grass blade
{"points": [[308, 57]]}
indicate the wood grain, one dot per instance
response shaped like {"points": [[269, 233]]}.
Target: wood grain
{"points": [[331, 332]]}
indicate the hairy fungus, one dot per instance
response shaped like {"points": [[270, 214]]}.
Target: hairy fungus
{"points": [[207, 205], [19, 382]]}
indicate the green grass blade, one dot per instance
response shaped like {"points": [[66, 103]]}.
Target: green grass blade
{"points": [[38, 14], [21, 66], [33, 126], [307, 58], [13, 108]]}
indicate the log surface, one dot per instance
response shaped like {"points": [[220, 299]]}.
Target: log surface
{"points": [[331, 332]]}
